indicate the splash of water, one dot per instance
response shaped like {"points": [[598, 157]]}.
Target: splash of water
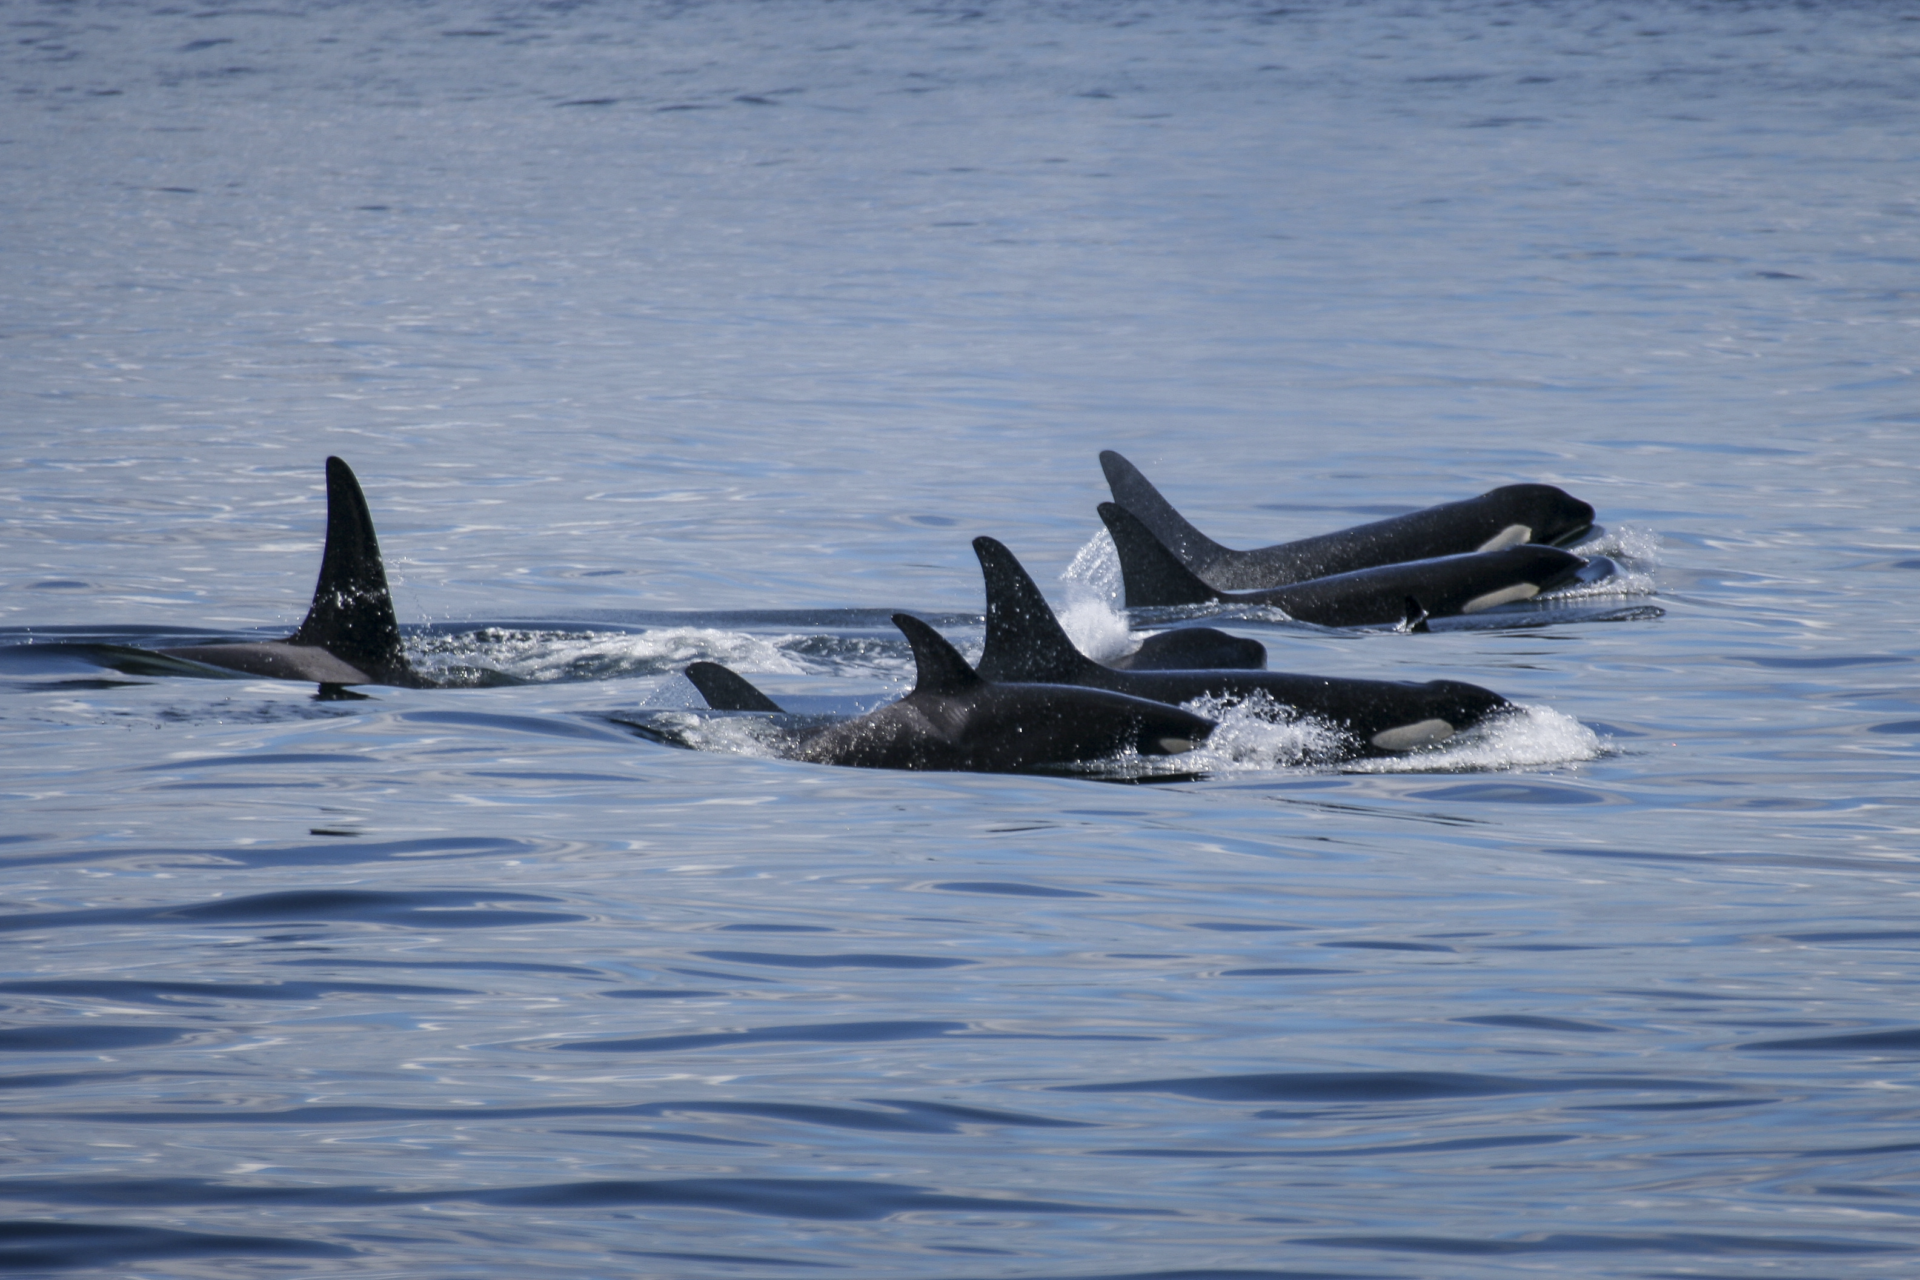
{"points": [[543, 656], [1093, 617], [1528, 737]]}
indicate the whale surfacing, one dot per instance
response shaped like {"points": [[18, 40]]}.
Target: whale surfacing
{"points": [[1500, 518], [1441, 586], [1025, 641], [956, 719]]}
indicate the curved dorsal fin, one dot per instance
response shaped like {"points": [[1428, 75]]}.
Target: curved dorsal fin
{"points": [[938, 665], [727, 690], [1137, 494], [1153, 575], [352, 614], [1024, 638]]}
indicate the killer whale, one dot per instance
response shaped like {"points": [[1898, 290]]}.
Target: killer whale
{"points": [[1504, 517], [1407, 592], [350, 634], [955, 719], [1025, 642]]}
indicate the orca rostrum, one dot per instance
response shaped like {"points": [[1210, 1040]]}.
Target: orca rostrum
{"points": [[1505, 517], [1402, 593], [1025, 642], [955, 719]]}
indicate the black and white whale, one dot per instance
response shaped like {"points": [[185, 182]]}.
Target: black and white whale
{"points": [[1025, 642], [350, 635], [957, 720], [1504, 517], [1406, 592]]}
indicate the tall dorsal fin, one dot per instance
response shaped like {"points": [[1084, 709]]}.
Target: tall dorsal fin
{"points": [[1152, 574], [938, 665], [727, 690], [352, 614], [1024, 639], [1137, 494]]}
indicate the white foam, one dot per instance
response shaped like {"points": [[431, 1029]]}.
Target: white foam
{"points": [[1525, 738], [1631, 545], [1095, 572], [727, 735], [1093, 617], [546, 655]]}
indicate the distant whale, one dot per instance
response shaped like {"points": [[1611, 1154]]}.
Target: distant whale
{"points": [[1026, 642], [1499, 518], [1409, 592], [957, 720]]}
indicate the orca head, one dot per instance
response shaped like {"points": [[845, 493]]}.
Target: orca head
{"points": [[1194, 649], [1535, 568], [1550, 515]]}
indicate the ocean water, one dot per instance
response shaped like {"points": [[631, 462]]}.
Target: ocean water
{"points": [[659, 332]]}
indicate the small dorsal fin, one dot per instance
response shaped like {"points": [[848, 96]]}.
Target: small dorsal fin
{"points": [[352, 614], [1025, 641], [727, 690], [1416, 619], [939, 667], [1153, 575], [1137, 494]]}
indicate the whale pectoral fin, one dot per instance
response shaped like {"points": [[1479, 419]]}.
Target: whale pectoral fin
{"points": [[1152, 574], [1415, 622], [728, 690]]}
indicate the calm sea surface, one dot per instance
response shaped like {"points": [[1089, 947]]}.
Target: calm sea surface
{"points": [[671, 331]]}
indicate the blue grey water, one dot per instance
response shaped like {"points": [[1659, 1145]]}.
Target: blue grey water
{"points": [[666, 331]]}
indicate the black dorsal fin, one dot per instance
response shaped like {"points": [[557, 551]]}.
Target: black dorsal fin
{"points": [[352, 614], [1153, 575], [939, 668], [1137, 494], [727, 690], [1024, 638], [1416, 619]]}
